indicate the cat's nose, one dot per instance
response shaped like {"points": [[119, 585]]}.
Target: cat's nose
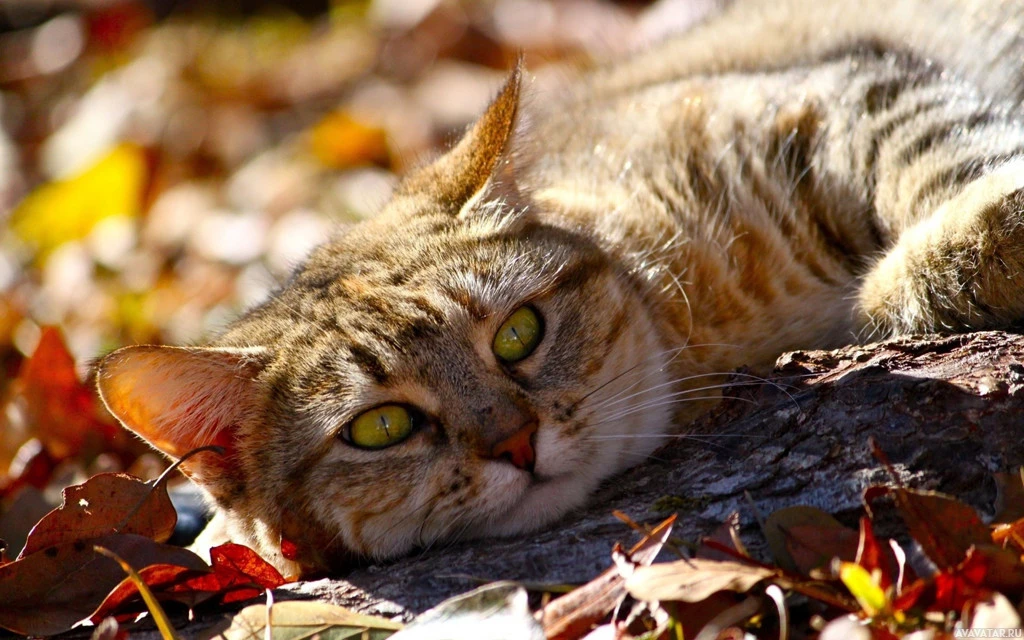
{"points": [[518, 448]]}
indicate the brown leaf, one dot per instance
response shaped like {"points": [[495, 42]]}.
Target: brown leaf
{"points": [[49, 591], [694, 616], [693, 580], [944, 527], [805, 538], [574, 613], [1009, 497], [102, 505]]}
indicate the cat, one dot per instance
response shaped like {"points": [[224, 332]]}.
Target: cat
{"points": [[540, 307]]}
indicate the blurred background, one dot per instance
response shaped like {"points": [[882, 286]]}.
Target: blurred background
{"points": [[165, 163]]}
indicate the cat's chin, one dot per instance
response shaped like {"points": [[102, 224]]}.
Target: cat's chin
{"points": [[544, 500]]}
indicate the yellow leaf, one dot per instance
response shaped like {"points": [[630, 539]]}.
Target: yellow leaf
{"points": [[68, 209], [863, 587]]}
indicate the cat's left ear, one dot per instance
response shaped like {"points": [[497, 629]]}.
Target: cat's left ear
{"points": [[479, 157], [182, 398]]}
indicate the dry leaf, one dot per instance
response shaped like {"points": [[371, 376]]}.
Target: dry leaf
{"points": [[295, 619], [102, 505], [239, 573], [49, 591], [161, 579], [805, 538], [574, 613], [497, 610], [693, 580], [944, 527]]}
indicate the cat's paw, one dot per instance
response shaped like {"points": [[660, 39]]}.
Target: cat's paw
{"points": [[960, 269]]}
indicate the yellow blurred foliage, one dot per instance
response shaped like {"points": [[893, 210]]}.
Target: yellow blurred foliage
{"points": [[340, 141], [65, 210]]}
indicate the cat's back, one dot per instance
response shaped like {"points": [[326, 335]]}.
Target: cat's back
{"points": [[746, 150], [981, 39]]}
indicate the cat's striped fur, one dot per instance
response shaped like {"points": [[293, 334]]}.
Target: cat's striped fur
{"points": [[791, 174]]}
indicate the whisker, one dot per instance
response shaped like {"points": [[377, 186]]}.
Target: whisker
{"points": [[684, 392], [665, 402], [626, 372], [429, 503], [690, 436], [611, 401], [675, 353], [758, 380], [667, 437]]}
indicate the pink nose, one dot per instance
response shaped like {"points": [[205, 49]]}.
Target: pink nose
{"points": [[518, 448]]}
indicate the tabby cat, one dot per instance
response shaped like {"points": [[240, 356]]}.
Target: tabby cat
{"points": [[534, 311]]}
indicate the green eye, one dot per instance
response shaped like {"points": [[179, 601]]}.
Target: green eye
{"points": [[381, 427], [518, 336]]}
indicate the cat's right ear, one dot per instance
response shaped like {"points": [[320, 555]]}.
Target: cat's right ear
{"points": [[465, 171], [181, 398]]}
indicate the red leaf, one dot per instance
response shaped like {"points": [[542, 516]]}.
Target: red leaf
{"points": [[35, 472], [983, 571], [64, 412], [874, 556], [911, 595], [956, 587], [159, 578], [238, 572]]}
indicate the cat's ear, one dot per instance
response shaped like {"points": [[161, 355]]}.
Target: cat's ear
{"points": [[181, 398], [462, 173]]}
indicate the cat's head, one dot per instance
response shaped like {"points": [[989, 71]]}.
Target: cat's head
{"points": [[461, 365]]}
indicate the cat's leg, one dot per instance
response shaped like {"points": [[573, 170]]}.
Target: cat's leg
{"points": [[960, 268]]}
